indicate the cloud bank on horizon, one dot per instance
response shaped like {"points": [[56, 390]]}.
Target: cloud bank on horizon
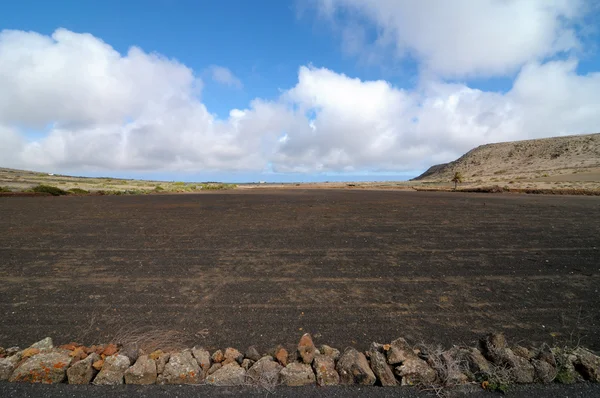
{"points": [[101, 110]]}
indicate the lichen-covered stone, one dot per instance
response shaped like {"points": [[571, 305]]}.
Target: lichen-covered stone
{"points": [[47, 367], [82, 372], [214, 368], [324, 367], [414, 370], [281, 355], [264, 372], [44, 344], [587, 364], [330, 352], [380, 367], [7, 366], [202, 357], [113, 370], [232, 355], [252, 353], [544, 372], [217, 356], [353, 368], [182, 368], [399, 351], [247, 363], [297, 374], [142, 372], [230, 374]]}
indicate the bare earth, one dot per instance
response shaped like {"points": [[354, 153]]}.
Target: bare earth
{"points": [[263, 266]]}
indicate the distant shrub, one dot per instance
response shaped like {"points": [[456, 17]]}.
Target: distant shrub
{"points": [[49, 189], [499, 172], [179, 184], [213, 186], [78, 191], [158, 188], [5, 189]]}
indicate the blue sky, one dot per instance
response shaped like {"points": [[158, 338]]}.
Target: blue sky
{"points": [[437, 93]]}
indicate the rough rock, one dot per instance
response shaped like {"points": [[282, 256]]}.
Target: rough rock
{"points": [[281, 355], [217, 356], [78, 354], [330, 352], [324, 367], [380, 367], [113, 370], [478, 365], [214, 368], [297, 374], [98, 364], [522, 352], [131, 351], [587, 364], [7, 365], [306, 348], [10, 351], [202, 357], [252, 353], [544, 372], [44, 344], [545, 354], [493, 347], [232, 355], [415, 371], [182, 368], [47, 367], [522, 370], [399, 352], [247, 363], [82, 372], [161, 359], [142, 372], [264, 372], [353, 368], [29, 352], [231, 374]]}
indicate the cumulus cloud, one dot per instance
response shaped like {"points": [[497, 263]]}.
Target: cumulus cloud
{"points": [[223, 75], [140, 111], [461, 37]]}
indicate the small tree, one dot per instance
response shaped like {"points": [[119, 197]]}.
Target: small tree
{"points": [[456, 179]]}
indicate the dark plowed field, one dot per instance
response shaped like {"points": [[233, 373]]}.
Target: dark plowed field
{"points": [[262, 267]]}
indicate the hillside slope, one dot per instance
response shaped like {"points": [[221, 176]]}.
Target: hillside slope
{"points": [[523, 159]]}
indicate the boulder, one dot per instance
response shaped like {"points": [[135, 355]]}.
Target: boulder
{"points": [[493, 347], [587, 364], [48, 367], [7, 365], [131, 351], [230, 374], [380, 367], [330, 352], [113, 370], [232, 355], [202, 357], [353, 368], [521, 370], [522, 352], [544, 372], [545, 354], [415, 371], [252, 353], [306, 348], [324, 367], [182, 368], [399, 351], [44, 344], [297, 374], [451, 372], [264, 372], [82, 372], [565, 367], [142, 372], [109, 350]]}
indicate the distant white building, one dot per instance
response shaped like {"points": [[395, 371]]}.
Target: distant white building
{"points": [[262, 182]]}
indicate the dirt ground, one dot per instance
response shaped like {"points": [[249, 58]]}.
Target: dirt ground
{"points": [[262, 267]]}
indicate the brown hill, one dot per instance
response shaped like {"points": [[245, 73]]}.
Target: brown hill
{"points": [[524, 159]]}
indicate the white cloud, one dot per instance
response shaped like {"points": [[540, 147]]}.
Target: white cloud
{"points": [[223, 75], [461, 37], [142, 112]]}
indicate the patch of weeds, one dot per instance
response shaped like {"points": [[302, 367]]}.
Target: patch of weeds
{"points": [[563, 376], [521, 178], [500, 172], [5, 189], [158, 188], [49, 189], [179, 184], [213, 186]]}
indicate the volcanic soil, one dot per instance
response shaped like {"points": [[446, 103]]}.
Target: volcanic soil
{"points": [[262, 267]]}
